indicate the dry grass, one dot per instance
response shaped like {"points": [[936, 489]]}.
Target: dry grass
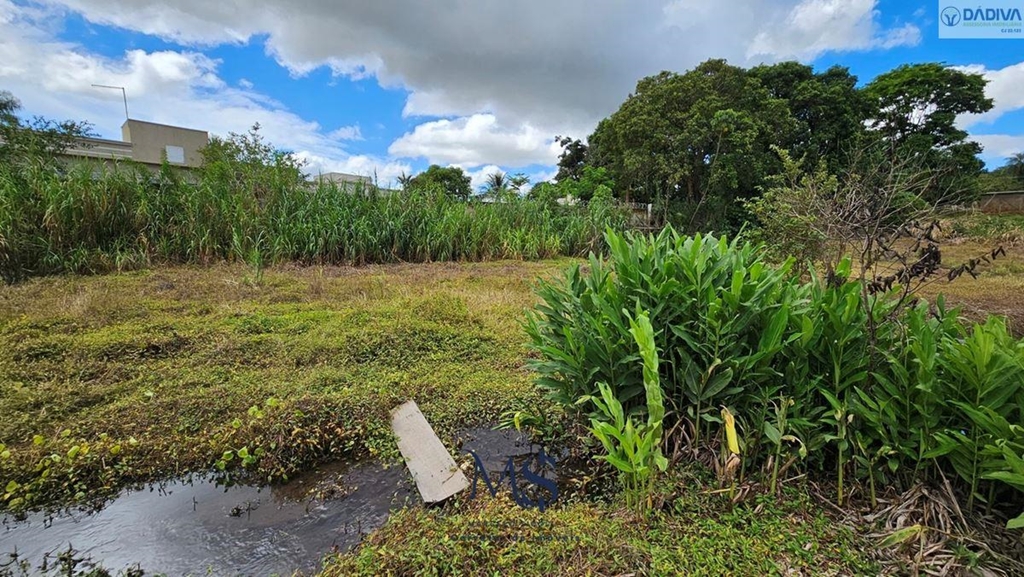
{"points": [[999, 288]]}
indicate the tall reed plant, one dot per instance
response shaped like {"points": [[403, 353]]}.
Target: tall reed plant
{"points": [[87, 217]]}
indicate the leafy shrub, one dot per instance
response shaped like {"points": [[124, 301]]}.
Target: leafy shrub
{"points": [[634, 449], [854, 382], [720, 316]]}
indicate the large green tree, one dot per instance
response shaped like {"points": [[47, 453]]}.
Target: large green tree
{"points": [[915, 112], [452, 180], [689, 136], [573, 158], [828, 109]]}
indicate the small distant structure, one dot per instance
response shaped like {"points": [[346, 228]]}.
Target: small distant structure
{"points": [[1008, 202], [344, 180], [147, 143]]}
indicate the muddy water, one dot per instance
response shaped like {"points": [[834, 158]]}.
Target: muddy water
{"points": [[197, 527]]}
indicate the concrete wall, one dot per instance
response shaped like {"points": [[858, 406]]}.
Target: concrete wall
{"points": [[149, 142], [341, 178], [101, 149], [1002, 202]]}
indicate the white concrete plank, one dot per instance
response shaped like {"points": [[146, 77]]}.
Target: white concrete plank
{"points": [[435, 472]]}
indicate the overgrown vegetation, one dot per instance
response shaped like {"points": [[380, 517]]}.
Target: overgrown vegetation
{"points": [[1009, 177], [848, 385], [810, 365], [109, 380], [250, 203], [695, 143], [692, 534]]}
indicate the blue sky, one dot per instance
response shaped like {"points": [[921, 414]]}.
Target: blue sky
{"points": [[391, 86]]}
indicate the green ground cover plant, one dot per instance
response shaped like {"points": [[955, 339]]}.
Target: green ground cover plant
{"points": [[110, 380], [695, 534]]}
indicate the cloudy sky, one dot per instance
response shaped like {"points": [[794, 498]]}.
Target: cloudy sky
{"points": [[389, 86]]}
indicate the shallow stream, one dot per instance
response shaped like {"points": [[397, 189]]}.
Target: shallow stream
{"points": [[195, 527]]}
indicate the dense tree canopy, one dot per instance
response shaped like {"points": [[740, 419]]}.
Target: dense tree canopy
{"points": [[827, 108], [702, 139], [922, 101], [1008, 177], [453, 180], [572, 160], [915, 111], [684, 136]]}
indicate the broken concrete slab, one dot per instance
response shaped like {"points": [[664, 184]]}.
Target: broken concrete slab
{"points": [[435, 472]]}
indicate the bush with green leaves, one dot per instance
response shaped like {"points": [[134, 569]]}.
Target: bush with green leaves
{"points": [[855, 386], [634, 449], [721, 316]]}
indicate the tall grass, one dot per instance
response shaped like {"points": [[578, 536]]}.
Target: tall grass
{"points": [[95, 218]]}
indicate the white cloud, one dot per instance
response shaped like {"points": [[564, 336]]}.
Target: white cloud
{"points": [[1004, 88], [478, 177], [347, 133], [476, 140], [142, 74], [539, 177], [999, 147], [814, 27], [543, 176], [511, 74], [557, 65], [200, 22]]}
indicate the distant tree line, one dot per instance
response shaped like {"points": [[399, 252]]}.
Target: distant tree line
{"points": [[698, 143], [1009, 177]]}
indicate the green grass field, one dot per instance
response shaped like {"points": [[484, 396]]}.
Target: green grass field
{"points": [[150, 374], [145, 375], [160, 372]]}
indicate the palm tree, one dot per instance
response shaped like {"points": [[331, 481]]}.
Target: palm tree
{"points": [[404, 180], [1015, 165], [497, 182], [518, 181]]}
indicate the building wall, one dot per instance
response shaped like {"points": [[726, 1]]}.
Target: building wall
{"points": [[1002, 202], [149, 142], [101, 149], [344, 178]]}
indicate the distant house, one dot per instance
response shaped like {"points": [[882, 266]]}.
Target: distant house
{"points": [[148, 143], [1002, 202], [343, 180]]}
